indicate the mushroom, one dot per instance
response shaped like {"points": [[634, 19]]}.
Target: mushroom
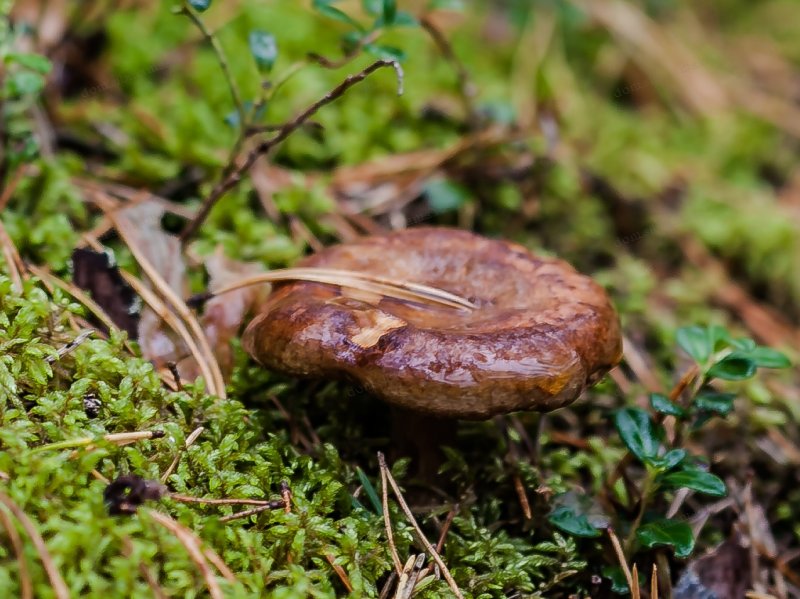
{"points": [[539, 334]]}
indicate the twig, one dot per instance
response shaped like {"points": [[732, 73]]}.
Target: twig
{"points": [[466, 87], [223, 501], [654, 583], [221, 59], [25, 584], [231, 179], [430, 548], [65, 349], [57, 583], [272, 505]]}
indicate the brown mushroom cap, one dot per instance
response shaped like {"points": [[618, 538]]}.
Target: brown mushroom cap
{"points": [[540, 335]]}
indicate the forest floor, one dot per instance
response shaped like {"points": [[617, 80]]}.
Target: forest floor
{"points": [[151, 152]]}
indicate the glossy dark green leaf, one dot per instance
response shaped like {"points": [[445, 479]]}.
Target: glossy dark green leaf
{"points": [[264, 48], [696, 342], [200, 5], [766, 357], [572, 522], [743, 344], [661, 403], [638, 432], [697, 480], [669, 460], [672, 533], [712, 401], [734, 367], [619, 583]]}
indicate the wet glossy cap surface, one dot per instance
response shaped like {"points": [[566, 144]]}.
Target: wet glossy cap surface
{"points": [[540, 335]]}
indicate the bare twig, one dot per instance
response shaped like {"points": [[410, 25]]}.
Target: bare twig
{"points": [[420, 535], [223, 501], [466, 87], [275, 504], [57, 583], [221, 59], [232, 178], [67, 348]]}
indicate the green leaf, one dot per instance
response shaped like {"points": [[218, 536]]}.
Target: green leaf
{"points": [[712, 401], [661, 403], [619, 583], [372, 7], [734, 367], [669, 460], [389, 11], [369, 489], [324, 7], [387, 52], [572, 522], [638, 432], [35, 62], [672, 533], [200, 5], [24, 83], [696, 342], [766, 357], [444, 196], [697, 480], [264, 49], [743, 344]]}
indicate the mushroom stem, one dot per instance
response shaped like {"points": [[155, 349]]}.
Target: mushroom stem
{"points": [[421, 438]]}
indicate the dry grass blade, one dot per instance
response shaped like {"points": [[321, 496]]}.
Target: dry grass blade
{"points": [[57, 583], [635, 593], [422, 539], [654, 583], [216, 383], [88, 442], [25, 584], [401, 290], [192, 544], [340, 572], [621, 558], [169, 317], [398, 565], [11, 256]]}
